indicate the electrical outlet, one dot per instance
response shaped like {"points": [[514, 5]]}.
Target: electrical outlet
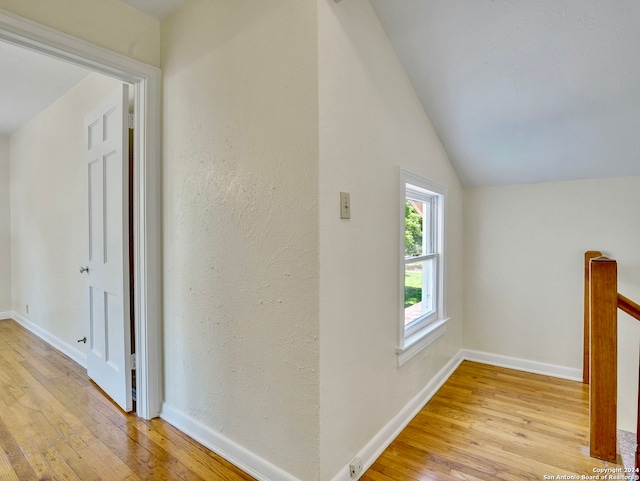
{"points": [[355, 467]]}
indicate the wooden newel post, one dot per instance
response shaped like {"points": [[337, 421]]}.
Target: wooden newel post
{"points": [[587, 325], [603, 351]]}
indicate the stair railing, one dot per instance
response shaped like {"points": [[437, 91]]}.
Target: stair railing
{"points": [[600, 360]]}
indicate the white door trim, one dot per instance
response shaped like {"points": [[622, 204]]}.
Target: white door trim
{"points": [[147, 214]]}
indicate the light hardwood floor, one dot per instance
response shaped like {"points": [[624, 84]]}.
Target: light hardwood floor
{"points": [[490, 423], [485, 423], [56, 425]]}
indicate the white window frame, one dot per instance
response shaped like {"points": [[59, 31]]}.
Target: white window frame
{"points": [[417, 335]]}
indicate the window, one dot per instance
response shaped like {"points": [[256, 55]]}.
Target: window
{"points": [[421, 319]]}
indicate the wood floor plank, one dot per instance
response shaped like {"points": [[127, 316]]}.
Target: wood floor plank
{"points": [[14, 454], [7, 471], [56, 425], [489, 423], [485, 423]]}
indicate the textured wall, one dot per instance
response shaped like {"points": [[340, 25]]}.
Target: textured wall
{"points": [[5, 228], [371, 123], [240, 224], [49, 212], [106, 23], [524, 248]]}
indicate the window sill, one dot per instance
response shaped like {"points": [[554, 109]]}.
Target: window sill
{"points": [[421, 339]]}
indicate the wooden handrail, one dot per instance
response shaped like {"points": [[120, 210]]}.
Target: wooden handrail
{"points": [[627, 305]]}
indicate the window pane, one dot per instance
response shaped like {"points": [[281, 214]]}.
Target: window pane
{"points": [[413, 228], [429, 227], [419, 292]]}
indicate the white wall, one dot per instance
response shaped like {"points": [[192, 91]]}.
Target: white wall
{"points": [[240, 224], [524, 248], [5, 227], [371, 122], [49, 212], [107, 23]]}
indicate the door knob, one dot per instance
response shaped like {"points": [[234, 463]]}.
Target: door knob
{"points": [[84, 269], [84, 339]]}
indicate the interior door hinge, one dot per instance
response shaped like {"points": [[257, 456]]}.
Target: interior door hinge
{"points": [[133, 362], [131, 121]]}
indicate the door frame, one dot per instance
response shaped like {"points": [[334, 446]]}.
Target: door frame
{"points": [[147, 207]]}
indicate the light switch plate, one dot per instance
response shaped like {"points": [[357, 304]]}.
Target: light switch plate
{"points": [[345, 205]]}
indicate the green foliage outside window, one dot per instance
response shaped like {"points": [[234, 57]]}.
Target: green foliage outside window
{"points": [[412, 288], [412, 246], [412, 230]]}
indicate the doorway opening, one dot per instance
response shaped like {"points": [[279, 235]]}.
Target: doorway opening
{"points": [[145, 197]]}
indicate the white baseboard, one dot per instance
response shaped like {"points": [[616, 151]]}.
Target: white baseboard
{"points": [[62, 346], [388, 433], [526, 365], [236, 454], [262, 469]]}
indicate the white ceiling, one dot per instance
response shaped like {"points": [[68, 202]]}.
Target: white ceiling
{"points": [[30, 82], [155, 8], [519, 91], [525, 91]]}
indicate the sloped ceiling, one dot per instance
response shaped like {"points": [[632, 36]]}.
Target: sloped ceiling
{"points": [[519, 91], [525, 91], [30, 82], [155, 8]]}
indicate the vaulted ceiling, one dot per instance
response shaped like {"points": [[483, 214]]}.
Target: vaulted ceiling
{"points": [[524, 91], [155, 8], [29, 83], [518, 91]]}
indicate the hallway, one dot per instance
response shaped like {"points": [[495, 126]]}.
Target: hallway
{"points": [[55, 424]]}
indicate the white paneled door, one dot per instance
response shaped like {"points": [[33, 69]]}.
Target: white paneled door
{"points": [[108, 331]]}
